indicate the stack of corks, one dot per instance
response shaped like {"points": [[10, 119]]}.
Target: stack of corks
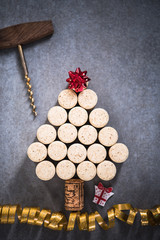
{"points": [[86, 157]]}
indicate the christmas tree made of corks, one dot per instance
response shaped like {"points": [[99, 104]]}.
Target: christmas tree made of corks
{"points": [[76, 140]]}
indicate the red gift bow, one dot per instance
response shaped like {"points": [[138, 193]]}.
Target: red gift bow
{"points": [[108, 190], [78, 80]]}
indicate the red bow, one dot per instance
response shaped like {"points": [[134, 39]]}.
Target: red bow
{"points": [[108, 190], [77, 80]]}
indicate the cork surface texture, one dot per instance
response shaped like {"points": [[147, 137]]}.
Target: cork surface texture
{"points": [[117, 42]]}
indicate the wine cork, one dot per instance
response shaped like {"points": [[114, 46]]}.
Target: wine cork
{"points": [[65, 169], [87, 134], [96, 153], [57, 116], [45, 170], [87, 99], [76, 153], [119, 153], [67, 133], [99, 117], [74, 195], [106, 170], [78, 116], [46, 134], [86, 171], [57, 150], [37, 152], [67, 99], [108, 136]]}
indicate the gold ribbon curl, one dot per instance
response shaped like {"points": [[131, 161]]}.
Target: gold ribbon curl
{"points": [[85, 221]]}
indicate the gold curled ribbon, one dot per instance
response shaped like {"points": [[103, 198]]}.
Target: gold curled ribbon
{"points": [[129, 219], [85, 221]]}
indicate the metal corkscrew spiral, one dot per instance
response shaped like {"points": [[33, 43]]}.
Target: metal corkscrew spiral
{"points": [[29, 86], [31, 95]]}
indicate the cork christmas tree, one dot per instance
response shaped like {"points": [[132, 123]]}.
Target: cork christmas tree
{"points": [[76, 141]]}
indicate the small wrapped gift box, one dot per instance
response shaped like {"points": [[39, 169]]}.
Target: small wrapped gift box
{"points": [[102, 194]]}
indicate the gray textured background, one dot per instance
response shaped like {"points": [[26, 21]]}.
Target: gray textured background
{"points": [[117, 42]]}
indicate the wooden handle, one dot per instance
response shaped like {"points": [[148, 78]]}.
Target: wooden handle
{"points": [[24, 33]]}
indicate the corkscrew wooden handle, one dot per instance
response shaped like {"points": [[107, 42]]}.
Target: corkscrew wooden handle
{"points": [[24, 33]]}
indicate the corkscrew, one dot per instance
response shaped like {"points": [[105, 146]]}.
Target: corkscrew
{"points": [[21, 34], [29, 86]]}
